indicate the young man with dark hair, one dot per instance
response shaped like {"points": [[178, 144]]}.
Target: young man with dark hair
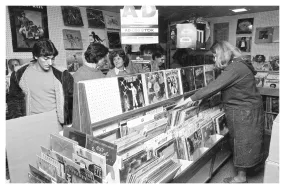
{"points": [[96, 57], [42, 87]]}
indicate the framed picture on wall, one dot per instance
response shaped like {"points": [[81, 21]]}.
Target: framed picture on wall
{"points": [[98, 36], [95, 18], [244, 43], [28, 24], [72, 39], [112, 22], [244, 26], [114, 40], [264, 35], [71, 16], [221, 32]]}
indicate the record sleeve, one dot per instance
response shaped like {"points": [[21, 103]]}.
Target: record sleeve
{"points": [[154, 87], [188, 80], [62, 145], [131, 164], [102, 147], [207, 130], [40, 175], [221, 124], [209, 73], [33, 179], [98, 159], [131, 92], [173, 83], [74, 173], [47, 167], [199, 76], [75, 135], [167, 150], [93, 168], [193, 143]]}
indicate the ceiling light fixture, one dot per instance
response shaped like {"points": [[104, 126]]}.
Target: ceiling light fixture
{"points": [[239, 10]]}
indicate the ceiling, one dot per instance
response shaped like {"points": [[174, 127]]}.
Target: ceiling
{"points": [[175, 13]]}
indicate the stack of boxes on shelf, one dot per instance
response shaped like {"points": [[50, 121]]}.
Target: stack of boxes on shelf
{"points": [[153, 146]]}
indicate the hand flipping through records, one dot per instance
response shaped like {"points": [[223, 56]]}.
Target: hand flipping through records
{"points": [[187, 103]]}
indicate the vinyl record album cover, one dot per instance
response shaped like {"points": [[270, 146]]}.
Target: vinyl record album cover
{"points": [[209, 73], [193, 142], [155, 88], [95, 18], [199, 76], [131, 92], [188, 80], [173, 83], [221, 124], [72, 39], [62, 145]]}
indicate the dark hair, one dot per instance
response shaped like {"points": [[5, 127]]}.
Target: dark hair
{"points": [[10, 65], [95, 52], [121, 54], [156, 55], [44, 47]]}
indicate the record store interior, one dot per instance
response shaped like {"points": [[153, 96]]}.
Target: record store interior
{"points": [[142, 94]]}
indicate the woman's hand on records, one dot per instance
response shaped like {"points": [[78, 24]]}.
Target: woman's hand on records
{"points": [[187, 103]]}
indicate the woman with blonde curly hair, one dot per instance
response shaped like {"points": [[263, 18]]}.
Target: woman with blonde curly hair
{"points": [[242, 104]]}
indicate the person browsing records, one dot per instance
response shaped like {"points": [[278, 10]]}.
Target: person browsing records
{"points": [[95, 58], [43, 87], [242, 104], [119, 61]]}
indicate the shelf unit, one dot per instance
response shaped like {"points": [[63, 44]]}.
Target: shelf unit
{"points": [[268, 95], [217, 154], [202, 170]]}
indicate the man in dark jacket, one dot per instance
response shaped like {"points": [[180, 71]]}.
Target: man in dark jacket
{"points": [[39, 87]]}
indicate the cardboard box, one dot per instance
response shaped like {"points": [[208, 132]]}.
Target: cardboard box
{"points": [[274, 142], [271, 173]]}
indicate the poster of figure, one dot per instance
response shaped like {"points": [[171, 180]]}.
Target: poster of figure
{"points": [[264, 35], [72, 39], [114, 40], [131, 92], [98, 36], [74, 61], [244, 43], [112, 22], [244, 26], [71, 16], [28, 24], [95, 18]]}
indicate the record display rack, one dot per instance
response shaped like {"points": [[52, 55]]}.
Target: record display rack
{"points": [[103, 123], [203, 168]]}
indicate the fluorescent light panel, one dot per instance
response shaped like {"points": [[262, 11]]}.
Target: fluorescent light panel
{"points": [[239, 10]]}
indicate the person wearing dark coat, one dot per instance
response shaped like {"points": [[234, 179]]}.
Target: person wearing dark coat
{"points": [[242, 104]]}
